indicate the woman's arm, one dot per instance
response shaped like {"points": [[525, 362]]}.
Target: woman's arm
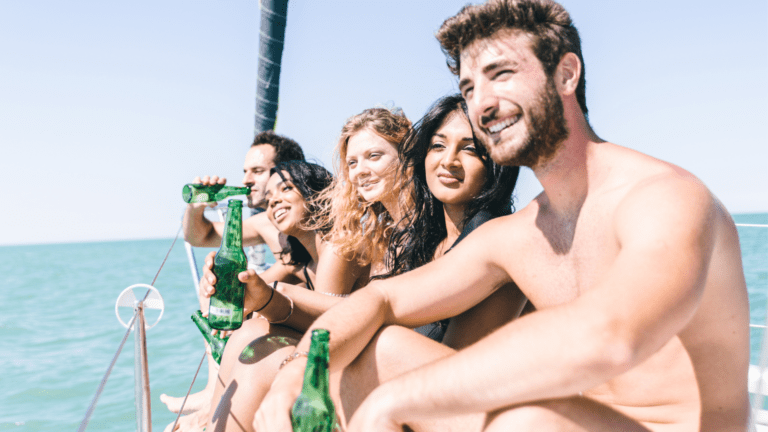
{"points": [[336, 277], [291, 305]]}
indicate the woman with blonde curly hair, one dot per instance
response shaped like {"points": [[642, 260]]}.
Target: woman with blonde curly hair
{"points": [[362, 206], [366, 198]]}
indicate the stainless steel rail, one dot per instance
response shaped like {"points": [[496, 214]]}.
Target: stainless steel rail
{"points": [[141, 373]]}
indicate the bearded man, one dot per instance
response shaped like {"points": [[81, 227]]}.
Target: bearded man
{"points": [[634, 268]]}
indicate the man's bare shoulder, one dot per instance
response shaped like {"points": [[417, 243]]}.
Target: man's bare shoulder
{"points": [[647, 199], [259, 219], [258, 229], [261, 223], [622, 164]]}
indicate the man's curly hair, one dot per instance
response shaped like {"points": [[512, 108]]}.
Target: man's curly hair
{"points": [[547, 23]]}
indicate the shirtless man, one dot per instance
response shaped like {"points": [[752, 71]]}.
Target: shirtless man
{"points": [[268, 148], [633, 266]]}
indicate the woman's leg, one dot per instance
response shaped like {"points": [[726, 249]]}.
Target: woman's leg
{"points": [[393, 351], [248, 367], [574, 414]]}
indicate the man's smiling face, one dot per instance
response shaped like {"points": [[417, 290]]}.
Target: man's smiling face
{"points": [[513, 105]]}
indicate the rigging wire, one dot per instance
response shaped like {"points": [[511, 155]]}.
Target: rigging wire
{"points": [[181, 409], [92, 407]]}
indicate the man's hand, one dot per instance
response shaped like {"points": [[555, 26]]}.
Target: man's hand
{"points": [[207, 181], [274, 414]]}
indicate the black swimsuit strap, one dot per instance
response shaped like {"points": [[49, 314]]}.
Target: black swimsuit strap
{"points": [[309, 281], [480, 218]]}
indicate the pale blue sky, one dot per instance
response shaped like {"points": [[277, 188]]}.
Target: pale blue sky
{"points": [[108, 108]]}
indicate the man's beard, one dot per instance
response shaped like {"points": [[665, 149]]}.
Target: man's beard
{"points": [[545, 133]]}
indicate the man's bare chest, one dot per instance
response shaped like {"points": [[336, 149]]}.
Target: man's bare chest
{"points": [[556, 267]]}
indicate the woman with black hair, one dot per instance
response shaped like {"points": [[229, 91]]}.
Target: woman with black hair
{"points": [[456, 187], [282, 310]]}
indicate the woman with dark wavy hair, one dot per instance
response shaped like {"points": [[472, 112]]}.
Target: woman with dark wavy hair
{"points": [[313, 279], [456, 187]]}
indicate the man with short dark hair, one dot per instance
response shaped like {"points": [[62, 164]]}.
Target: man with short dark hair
{"points": [[268, 149], [634, 267]]}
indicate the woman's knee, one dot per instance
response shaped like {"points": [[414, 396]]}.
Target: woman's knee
{"points": [[568, 414], [523, 418], [240, 339]]}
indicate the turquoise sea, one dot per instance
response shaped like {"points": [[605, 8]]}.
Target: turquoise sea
{"points": [[59, 332]]}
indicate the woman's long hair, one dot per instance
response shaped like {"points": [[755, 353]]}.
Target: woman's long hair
{"points": [[417, 237], [361, 229], [310, 180]]}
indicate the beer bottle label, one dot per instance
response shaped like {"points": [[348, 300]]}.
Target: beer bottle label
{"points": [[219, 311]]}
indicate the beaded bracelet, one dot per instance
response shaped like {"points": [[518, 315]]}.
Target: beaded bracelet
{"points": [[271, 294], [292, 357], [289, 313]]}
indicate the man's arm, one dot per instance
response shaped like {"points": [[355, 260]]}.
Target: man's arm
{"points": [[441, 289], [438, 290], [648, 295], [201, 232]]}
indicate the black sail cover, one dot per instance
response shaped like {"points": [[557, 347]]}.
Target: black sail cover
{"points": [[271, 38]]}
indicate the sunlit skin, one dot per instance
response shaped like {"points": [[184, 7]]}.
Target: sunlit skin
{"points": [[258, 161], [500, 80], [455, 173], [286, 207], [371, 162]]}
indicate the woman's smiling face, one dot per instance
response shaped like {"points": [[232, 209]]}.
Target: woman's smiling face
{"points": [[287, 207], [371, 162], [455, 172]]}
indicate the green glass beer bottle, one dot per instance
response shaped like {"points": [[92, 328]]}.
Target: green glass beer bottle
{"points": [[226, 310], [314, 410], [198, 193], [214, 341]]}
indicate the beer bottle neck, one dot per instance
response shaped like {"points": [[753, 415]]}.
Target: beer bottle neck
{"points": [[232, 237], [202, 325], [316, 375]]}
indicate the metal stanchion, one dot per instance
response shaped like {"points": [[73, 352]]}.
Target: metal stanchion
{"points": [[141, 373]]}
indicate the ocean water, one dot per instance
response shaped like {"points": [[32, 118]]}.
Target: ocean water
{"points": [[59, 332]]}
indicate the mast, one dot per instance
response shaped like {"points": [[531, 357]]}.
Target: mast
{"points": [[271, 37]]}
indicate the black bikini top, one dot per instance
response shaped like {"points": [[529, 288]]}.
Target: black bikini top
{"points": [[309, 281]]}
